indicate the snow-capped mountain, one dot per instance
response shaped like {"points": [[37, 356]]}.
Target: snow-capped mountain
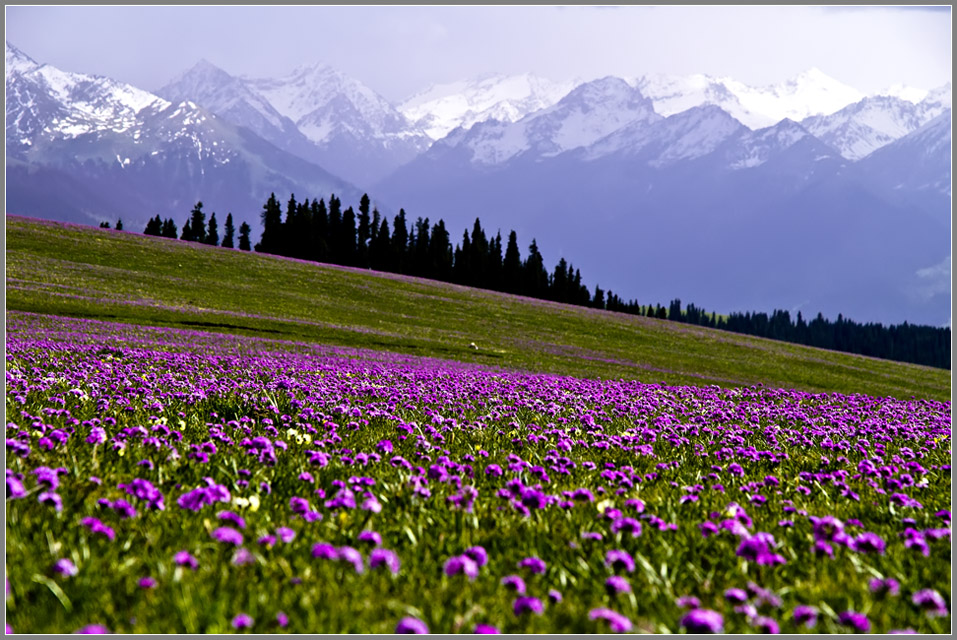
{"points": [[687, 135], [444, 107], [809, 93], [87, 148], [861, 128], [229, 98], [588, 113], [361, 136]]}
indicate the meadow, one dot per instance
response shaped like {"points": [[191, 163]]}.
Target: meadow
{"points": [[205, 441]]}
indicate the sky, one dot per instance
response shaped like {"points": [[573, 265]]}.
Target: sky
{"points": [[399, 50]]}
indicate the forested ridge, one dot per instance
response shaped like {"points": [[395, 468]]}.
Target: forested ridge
{"points": [[315, 230]]}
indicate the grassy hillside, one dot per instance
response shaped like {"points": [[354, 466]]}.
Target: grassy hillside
{"points": [[78, 271]]}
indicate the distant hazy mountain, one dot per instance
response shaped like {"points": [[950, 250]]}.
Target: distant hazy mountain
{"points": [[700, 207], [359, 134], [441, 108], [86, 148], [810, 93]]}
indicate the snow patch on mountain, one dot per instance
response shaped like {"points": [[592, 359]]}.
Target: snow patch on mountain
{"points": [[441, 108]]}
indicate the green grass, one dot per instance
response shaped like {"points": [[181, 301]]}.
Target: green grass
{"points": [[85, 272]]}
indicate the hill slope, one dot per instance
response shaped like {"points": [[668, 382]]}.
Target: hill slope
{"points": [[63, 269]]}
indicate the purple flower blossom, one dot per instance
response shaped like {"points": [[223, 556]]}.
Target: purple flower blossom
{"points": [[887, 586], [806, 615], [533, 564], [371, 537], [229, 516], [616, 622], [478, 555], [855, 620], [411, 625], [242, 621], [619, 560], [616, 584], [931, 602], [628, 525], [703, 621], [514, 583], [527, 604], [485, 628], [96, 526], [353, 557], [688, 602], [461, 564], [285, 534], [384, 557], [185, 559], [868, 542], [766, 625], [228, 535], [736, 596], [65, 567], [242, 557], [325, 551], [554, 595], [146, 582], [93, 628]]}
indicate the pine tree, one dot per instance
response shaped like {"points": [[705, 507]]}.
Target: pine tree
{"points": [[598, 300], [400, 244], [440, 253], [169, 229], [535, 277], [187, 232], [319, 250], [364, 232], [244, 231], [212, 231], [104, 225], [228, 232], [154, 227], [119, 224], [512, 266], [197, 223], [272, 226], [347, 237], [380, 248]]}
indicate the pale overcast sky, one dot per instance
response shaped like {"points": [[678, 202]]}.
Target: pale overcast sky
{"points": [[399, 50]]}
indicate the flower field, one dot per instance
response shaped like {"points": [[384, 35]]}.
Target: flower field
{"points": [[172, 481]]}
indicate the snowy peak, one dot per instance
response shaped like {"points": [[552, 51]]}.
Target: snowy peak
{"points": [[224, 95], [809, 93], [904, 92], [754, 148], [863, 127], [690, 134], [18, 62], [441, 108]]}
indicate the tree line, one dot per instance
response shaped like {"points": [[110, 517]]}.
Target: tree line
{"points": [[315, 230]]}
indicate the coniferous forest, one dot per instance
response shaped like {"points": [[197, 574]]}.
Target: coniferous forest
{"points": [[315, 230]]}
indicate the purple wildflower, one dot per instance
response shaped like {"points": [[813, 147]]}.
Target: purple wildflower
{"points": [[533, 564], [325, 551], [527, 604], [688, 602], [806, 615], [554, 595], [868, 542], [766, 625], [384, 557], [931, 602], [887, 586], [616, 622], [229, 516], [703, 621], [96, 526], [736, 596], [618, 559], [242, 621], [461, 564], [243, 556], [855, 620], [485, 628], [411, 625], [146, 582], [477, 554], [185, 559], [93, 628], [371, 537], [228, 535], [65, 567], [353, 557], [616, 584], [285, 534], [515, 583]]}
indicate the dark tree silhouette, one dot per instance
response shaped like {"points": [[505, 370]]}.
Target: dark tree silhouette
{"points": [[228, 232]]}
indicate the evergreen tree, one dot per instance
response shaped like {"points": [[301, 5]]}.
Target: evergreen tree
{"points": [[535, 277], [440, 253], [119, 224], [380, 248], [364, 232], [169, 229], [197, 223], [347, 238], [420, 248], [272, 226], [512, 266], [400, 244], [319, 240], [244, 231], [104, 225], [212, 231], [598, 300], [154, 227], [187, 232], [228, 232], [462, 268]]}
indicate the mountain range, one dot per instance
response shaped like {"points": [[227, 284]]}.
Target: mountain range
{"points": [[807, 195]]}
